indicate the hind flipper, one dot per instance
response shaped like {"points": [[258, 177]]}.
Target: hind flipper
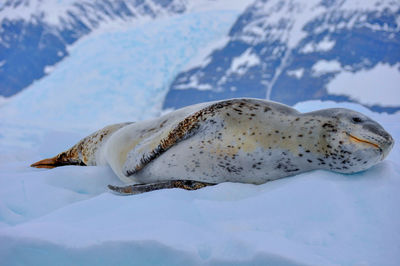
{"points": [[141, 188], [58, 160], [84, 152]]}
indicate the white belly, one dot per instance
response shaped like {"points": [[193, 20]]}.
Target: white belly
{"points": [[214, 163]]}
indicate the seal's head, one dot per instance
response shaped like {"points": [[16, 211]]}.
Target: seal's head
{"points": [[352, 141]]}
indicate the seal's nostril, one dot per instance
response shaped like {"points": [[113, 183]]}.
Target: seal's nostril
{"points": [[391, 142], [388, 137]]}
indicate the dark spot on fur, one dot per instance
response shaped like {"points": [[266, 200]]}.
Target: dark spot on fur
{"points": [[328, 125]]}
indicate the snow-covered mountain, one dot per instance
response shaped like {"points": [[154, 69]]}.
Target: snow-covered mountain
{"points": [[284, 50], [290, 51], [35, 34]]}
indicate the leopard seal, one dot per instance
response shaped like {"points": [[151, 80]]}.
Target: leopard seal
{"points": [[237, 140]]}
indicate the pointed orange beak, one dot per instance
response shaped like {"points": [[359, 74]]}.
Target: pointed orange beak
{"points": [[46, 163]]}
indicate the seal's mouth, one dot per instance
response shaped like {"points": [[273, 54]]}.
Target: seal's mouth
{"points": [[356, 139]]}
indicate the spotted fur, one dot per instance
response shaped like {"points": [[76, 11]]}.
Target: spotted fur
{"points": [[237, 140]]}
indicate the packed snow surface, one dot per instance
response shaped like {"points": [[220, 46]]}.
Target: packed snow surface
{"points": [[67, 216]]}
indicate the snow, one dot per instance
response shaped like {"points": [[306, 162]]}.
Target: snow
{"points": [[67, 216], [274, 14], [319, 218], [379, 5], [50, 11], [277, 73], [379, 85], [194, 83], [48, 69], [324, 66], [206, 5], [306, 10], [322, 46], [298, 73], [242, 63], [91, 13], [202, 57], [285, 20]]}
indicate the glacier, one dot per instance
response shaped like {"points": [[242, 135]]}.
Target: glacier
{"points": [[67, 216], [35, 34], [103, 82]]}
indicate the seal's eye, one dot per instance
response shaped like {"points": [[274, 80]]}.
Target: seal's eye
{"points": [[356, 119]]}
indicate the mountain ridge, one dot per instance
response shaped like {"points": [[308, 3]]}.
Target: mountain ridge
{"points": [[35, 33], [273, 39]]}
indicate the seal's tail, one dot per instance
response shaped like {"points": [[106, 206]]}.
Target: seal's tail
{"points": [[84, 152], [46, 163]]}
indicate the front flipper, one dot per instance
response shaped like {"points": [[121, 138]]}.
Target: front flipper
{"points": [[153, 147], [141, 188]]}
